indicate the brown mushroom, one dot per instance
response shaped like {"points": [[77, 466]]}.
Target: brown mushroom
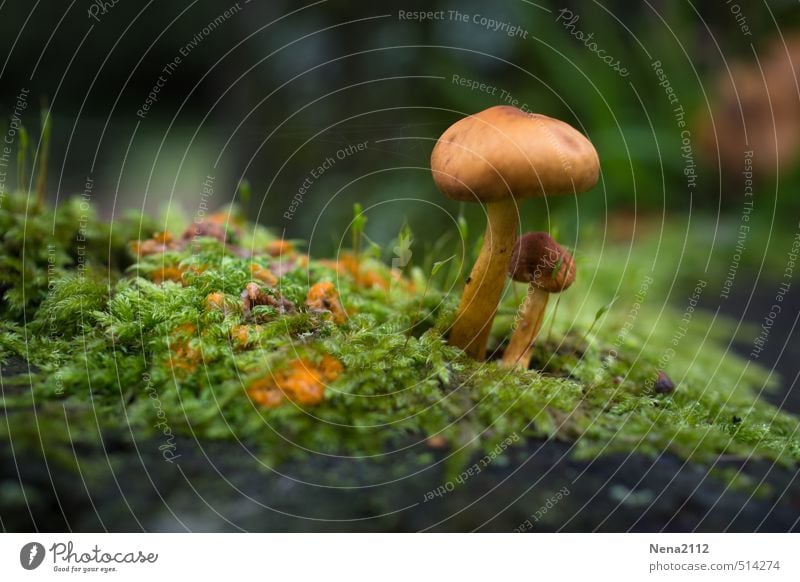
{"points": [[498, 157], [548, 268]]}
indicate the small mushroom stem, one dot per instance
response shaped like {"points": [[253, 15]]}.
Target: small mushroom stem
{"points": [[476, 311], [518, 353]]}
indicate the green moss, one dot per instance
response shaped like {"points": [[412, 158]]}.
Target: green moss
{"points": [[159, 358]]}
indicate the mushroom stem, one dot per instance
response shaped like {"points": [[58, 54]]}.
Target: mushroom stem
{"points": [[482, 290], [529, 322]]}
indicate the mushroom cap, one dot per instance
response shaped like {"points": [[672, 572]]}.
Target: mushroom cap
{"points": [[504, 152], [539, 260]]}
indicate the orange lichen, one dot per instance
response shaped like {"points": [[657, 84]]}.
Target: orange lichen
{"points": [[185, 328], [174, 274], [302, 381], [264, 393], [398, 279], [215, 301], [242, 335], [161, 242], [370, 279], [330, 367], [184, 358], [347, 264], [263, 274], [323, 297], [163, 237], [225, 217], [280, 248]]}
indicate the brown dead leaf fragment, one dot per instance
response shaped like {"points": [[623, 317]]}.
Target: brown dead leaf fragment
{"points": [[253, 296], [323, 297], [160, 242], [206, 228]]}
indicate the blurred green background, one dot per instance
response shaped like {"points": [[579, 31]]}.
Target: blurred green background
{"points": [[267, 91]]}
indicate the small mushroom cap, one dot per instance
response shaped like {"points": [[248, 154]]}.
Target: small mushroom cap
{"points": [[504, 152], [539, 260]]}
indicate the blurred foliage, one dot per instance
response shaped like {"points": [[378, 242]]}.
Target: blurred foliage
{"points": [[275, 94]]}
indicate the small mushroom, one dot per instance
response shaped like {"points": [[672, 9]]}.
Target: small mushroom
{"points": [[548, 268], [498, 157], [663, 383]]}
